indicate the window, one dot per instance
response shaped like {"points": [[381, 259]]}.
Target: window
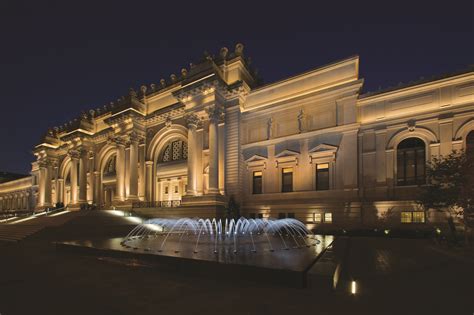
{"points": [[317, 217], [110, 166], [412, 217], [281, 215], [287, 180], [470, 144], [328, 217], [406, 217], [175, 189], [260, 215], [322, 176], [252, 215], [257, 182], [166, 190], [411, 162], [175, 151], [291, 215]]}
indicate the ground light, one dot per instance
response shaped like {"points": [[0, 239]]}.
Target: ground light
{"points": [[353, 287]]}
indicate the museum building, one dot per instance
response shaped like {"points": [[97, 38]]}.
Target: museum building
{"points": [[310, 146]]}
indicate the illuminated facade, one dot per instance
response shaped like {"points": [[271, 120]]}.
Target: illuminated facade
{"points": [[309, 146]]}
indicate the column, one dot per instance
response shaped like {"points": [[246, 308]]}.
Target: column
{"points": [[96, 197], [192, 121], [149, 181], [120, 171], [56, 184], [83, 177], [60, 190], [141, 171], [91, 181], [133, 168], [41, 183], [47, 186], [73, 176], [214, 113]]}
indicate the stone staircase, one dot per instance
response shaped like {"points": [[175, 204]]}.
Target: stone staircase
{"points": [[19, 230]]}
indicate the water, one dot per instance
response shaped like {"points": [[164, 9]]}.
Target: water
{"points": [[197, 234]]}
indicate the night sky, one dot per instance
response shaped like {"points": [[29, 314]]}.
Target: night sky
{"points": [[57, 59]]}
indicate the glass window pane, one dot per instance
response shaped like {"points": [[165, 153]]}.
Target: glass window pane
{"points": [[287, 180], [317, 217], [418, 217], [257, 183], [328, 217], [322, 177], [406, 217]]}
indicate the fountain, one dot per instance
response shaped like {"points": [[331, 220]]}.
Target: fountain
{"points": [[216, 235], [276, 251]]}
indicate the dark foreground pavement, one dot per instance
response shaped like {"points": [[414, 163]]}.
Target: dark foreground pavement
{"points": [[393, 276]]}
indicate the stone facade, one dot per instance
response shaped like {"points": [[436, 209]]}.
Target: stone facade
{"points": [[309, 146]]}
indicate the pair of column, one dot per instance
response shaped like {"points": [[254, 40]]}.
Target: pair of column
{"points": [[79, 162], [215, 113], [132, 168], [45, 178]]}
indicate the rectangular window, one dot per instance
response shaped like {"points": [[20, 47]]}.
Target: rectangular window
{"points": [[328, 217], [406, 217], [175, 189], [322, 176], [166, 190], [252, 215], [281, 215], [257, 182], [418, 217], [291, 215], [317, 217], [260, 215], [287, 179]]}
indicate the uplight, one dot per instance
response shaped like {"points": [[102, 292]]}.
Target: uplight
{"points": [[353, 287]]}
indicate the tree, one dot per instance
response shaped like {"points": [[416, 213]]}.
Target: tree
{"points": [[450, 187]]}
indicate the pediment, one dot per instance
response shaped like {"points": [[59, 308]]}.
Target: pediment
{"points": [[256, 158], [287, 153], [323, 148]]}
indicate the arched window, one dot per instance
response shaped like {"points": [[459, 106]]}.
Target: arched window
{"points": [[174, 151], [470, 144], [110, 169], [411, 162]]}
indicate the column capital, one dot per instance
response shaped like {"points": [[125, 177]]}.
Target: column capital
{"points": [[192, 120], [215, 113], [135, 137], [117, 141]]}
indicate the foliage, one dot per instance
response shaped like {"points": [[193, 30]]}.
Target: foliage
{"points": [[450, 184]]}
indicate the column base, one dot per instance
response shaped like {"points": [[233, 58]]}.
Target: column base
{"points": [[133, 198], [213, 191]]}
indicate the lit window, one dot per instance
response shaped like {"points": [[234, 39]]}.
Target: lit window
{"points": [[287, 180], [317, 217], [322, 176], [257, 182], [411, 162], [406, 217], [328, 217], [418, 217], [470, 144], [175, 151]]}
